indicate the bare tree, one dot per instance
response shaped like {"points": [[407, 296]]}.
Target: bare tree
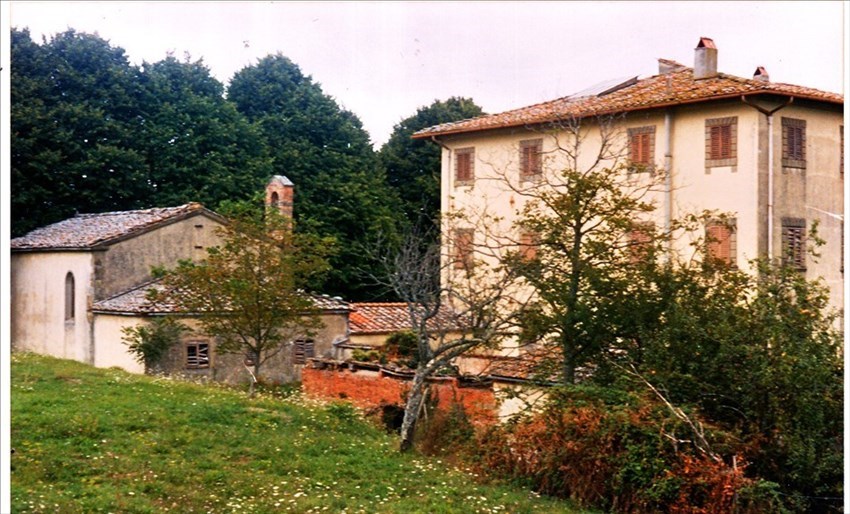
{"points": [[454, 304]]}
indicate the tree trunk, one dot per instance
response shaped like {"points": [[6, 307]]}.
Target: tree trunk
{"points": [[411, 410]]}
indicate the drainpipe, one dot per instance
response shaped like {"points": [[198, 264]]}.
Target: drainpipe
{"points": [[668, 181], [769, 114]]}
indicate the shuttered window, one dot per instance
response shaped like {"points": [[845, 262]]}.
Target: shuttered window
{"points": [[793, 143], [528, 243], [721, 142], [197, 355], [463, 241], [303, 349], [464, 165], [640, 239], [530, 158], [721, 241], [641, 148], [794, 243]]}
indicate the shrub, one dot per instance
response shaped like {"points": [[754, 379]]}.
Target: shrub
{"points": [[628, 456], [151, 341]]}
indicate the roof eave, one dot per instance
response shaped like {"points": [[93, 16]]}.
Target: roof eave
{"points": [[663, 105]]}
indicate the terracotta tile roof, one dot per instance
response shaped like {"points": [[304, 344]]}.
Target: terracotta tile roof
{"points": [[92, 230], [677, 87], [385, 318], [135, 301]]}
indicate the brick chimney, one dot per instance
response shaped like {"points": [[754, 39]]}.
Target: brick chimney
{"points": [[705, 59], [280, 192], [761, 74]]}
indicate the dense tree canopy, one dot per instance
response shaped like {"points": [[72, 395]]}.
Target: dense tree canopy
{"points": [[339, 189], [413, 165]]}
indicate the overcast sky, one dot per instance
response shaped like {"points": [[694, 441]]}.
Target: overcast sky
{"points": [[384, 60]]}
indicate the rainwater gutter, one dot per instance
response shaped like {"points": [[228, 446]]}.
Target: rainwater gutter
{"points": [[769, 114]]}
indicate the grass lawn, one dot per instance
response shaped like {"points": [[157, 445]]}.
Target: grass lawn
{"points": [[94, 440]]}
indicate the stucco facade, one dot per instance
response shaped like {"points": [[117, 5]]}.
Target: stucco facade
{"points": [[760, 187]]}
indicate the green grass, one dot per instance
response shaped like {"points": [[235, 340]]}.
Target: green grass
{"points": [[94, 440]]}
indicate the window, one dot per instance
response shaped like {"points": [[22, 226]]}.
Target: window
{"points": [[69, 296], [642, 148], [793, 143], [794, 243], [463, 240], [721, 142], [640, 238], [528, 243], [722, 242], [530, 158], [302, 350], [197, 355], [464, 165]]}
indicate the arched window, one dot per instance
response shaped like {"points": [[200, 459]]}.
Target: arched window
{"points": [[69, 296], [275, 199]]}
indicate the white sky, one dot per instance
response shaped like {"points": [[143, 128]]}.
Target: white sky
{"points": [[384, 60]]}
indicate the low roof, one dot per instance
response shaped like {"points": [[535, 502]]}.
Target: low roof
{"points": [[389, 317], [90, 231], [678, 87], [135, 301]]}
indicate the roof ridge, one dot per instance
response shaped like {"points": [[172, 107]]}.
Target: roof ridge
{"points": [[190, 205]]}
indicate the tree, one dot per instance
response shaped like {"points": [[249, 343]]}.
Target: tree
{"points": [[73, 118], [247, 292], [197, 146], [452, 310], [341, 191], [412, 166], [149, 342], [584, 223]]}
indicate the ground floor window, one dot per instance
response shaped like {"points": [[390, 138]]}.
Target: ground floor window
{"points": [[197, 355], [303, 350]]}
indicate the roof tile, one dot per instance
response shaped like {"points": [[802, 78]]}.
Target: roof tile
{"points": [[91, 230], [674, 88]]}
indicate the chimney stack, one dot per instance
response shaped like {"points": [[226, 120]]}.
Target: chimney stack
{"points": [[705, 59], [280, 192], [761, 74]]}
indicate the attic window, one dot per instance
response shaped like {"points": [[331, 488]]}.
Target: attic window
{"points": [[721, 142], [641, 148], [530, 158], [464, 165], [793, 143]]}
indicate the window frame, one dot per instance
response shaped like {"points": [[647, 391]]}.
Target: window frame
{"points": [[793, 143], [463, 247], [303, 349], [527, 149], [203, 362], [70, 297], [714, 244], [645, 160], [466, 154], [794, 243], [718, 152]]}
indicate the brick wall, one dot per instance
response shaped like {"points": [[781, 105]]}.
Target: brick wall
{"points": [[373, 388]]}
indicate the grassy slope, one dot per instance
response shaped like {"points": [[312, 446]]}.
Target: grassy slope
{"points": [[93, 440]]}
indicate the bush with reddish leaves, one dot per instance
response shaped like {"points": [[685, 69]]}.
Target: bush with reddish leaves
{"points": [[626, 454]]}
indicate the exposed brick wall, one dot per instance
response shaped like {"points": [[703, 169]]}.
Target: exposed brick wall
{"points": [[368, 388]]}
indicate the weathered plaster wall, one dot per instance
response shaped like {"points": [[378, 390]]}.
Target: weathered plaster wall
{"points": [[128, 263], [37, 315], [109, 349]]}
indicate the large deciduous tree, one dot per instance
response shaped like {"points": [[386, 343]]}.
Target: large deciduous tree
{"points": [[412, 165], [248, 291], [325, 151]]}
